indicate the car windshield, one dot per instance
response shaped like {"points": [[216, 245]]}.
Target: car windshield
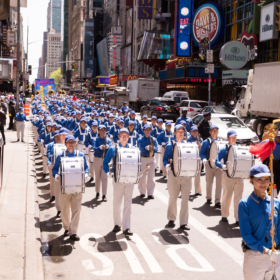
{"points": [[198, 105], [221, 110], [177, 99], [228, 122], [168, 103]]}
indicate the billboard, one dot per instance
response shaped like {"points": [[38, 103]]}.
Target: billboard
{"points": [[183, 43], [126, 60], [44, 85], [128, 32], [102, 54]]}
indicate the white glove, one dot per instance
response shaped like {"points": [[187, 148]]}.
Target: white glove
{"points": [[42, 141], [168, 167], [147, 147], [224, 167], [101, 147], [86, 175], [163, 143], [77, 139], [272, 255], [111, 136], [107, 146], [56, 177], [110, 175], [205, 161]]}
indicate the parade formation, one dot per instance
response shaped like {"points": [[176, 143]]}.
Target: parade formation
{"points": [[83, 141]]}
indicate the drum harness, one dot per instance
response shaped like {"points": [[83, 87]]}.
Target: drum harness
{"points": [[131, 137], [168, 136], [83, 134]]}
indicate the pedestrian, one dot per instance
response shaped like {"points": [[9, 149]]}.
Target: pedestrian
{"points": [[204, 126], [2, 124], [20, 118], [254, 213], [12, 113]]}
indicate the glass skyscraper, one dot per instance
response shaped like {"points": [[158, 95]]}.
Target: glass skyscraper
{"points": [[56, 16]]}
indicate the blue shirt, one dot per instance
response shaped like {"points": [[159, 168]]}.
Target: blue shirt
{"points": [[187, 120], [204, 152], [97, 143], [222, 154], [20, 117], [58, 162], [133, 137], [111, 154], [143, 142], [82, 134], [191, 139], [91, 138], [165, 137], [141, 128], [156, 132], [254, 216]]}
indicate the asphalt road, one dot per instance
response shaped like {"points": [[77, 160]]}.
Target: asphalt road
{"points": [[210, 250]]}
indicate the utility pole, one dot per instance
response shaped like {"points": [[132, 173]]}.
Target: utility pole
{"points": [[18, 54], [209, 47]]}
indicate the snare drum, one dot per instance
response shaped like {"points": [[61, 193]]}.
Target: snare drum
{"points": [[186, 160], [57, 150], [214, 149], [72, 175], [240, 161], [127, 165], [82, 148], [91, 155]]}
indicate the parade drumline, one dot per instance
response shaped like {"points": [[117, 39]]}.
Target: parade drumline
{"points": [[81, 140]]}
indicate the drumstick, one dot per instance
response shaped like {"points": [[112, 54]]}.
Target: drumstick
{"points": [[148, 167]]}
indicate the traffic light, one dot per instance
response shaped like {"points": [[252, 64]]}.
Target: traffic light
{"points": [[30, 69], [278, 18], [112, 70], [73, 67]]}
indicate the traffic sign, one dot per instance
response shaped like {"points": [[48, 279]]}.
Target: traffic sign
{"points": [[209, 56], [209, 69]]}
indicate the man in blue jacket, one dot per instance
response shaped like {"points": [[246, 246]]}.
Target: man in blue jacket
{"points": [[20, 118]]}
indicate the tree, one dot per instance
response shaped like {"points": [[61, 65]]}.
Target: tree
{"points": [[56, 75]]}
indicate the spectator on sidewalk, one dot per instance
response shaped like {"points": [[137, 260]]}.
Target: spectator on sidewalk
{"points": [[12, 113], [21, 118], [2, 124]]}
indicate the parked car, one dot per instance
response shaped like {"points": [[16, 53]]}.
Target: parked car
{"points": [[177, 96], [161, 107], [225, 122], [216, 110], [193, 106]]}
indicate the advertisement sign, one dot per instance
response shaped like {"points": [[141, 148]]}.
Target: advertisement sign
{"points": [[102, 54], [250, 41], [234, 77], [203, 47], [126, 60], [103, 80], [234, 55], [183, 43], [5, 47], [44, 85], [267, 26], [114, 80], [128, 27], [200, 25], [145, 12]]}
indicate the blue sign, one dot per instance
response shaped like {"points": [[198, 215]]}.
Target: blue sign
{"points": [[145, 12], [45, 85], [104, 80], [183, 28]]}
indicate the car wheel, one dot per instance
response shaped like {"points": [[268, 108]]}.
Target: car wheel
{"points": [[259, 126]]}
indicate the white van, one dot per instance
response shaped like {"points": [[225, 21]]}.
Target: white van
{"points": [[177, 96]]}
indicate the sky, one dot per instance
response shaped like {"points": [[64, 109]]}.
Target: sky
{"points": [[36, 15]]}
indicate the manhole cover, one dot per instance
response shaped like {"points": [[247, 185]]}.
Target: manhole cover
{"points": [[58, 275]]}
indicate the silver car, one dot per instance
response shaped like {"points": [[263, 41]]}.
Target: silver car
{"points": [[193, 106]]}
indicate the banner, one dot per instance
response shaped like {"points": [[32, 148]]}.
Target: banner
{"points": [[44, 85]]}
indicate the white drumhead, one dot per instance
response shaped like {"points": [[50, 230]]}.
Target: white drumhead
{"points": [[213, 152], [230, 161]]}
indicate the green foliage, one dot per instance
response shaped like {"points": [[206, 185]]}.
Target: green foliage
{"points": [[56, 75]]}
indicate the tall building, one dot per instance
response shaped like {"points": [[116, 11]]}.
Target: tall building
{"points": [[56, 15], [64, 34], [53, 52], [49, 17], [44, 53], [40, 69]]}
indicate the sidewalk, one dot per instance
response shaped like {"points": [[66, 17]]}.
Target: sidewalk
{"points": [[20, 256]]}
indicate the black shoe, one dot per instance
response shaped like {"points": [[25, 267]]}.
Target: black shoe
{"points": [[75, 237], [224, 219], [18, 140], [104, 198], [22, 141], [218, 205], [202, 174], [160, 172], [142, 195], [116, 228], [237, 223], [52, 199], [198, 194], [36, 145], [97, 195], [164, 177], [44, 176], [66, 233], [185, 227], [127, 232], [151, 197], [155, 171], [91, 179], [171, 223], [58, 214], [209, 201]]}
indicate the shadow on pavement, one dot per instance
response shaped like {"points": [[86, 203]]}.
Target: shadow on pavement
{"points": [[140, 200], [208, 211], [92, 203], [166, 237], [226, 230], [51, 225]]}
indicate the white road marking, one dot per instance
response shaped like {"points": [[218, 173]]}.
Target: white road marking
{"points": [[88, 264], [129, 254], [219, 242], [149, 258], [172, 248], [108, 266]]}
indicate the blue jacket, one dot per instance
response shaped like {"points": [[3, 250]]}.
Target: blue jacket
{"points": [[20, 117], [91, 138], [204, 152], [109, 126], [97, 143], [191, 139], [141, 128], [254, 215], [156, 132], [58, 161], [50, 151], [165, 137], [82, 134], [143, 142], [222, 154], [133, 137], [187, 120]]}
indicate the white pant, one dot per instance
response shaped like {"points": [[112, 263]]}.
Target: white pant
{"points": [[45, 164], [125, 192], [36, 134], [257, 266], [149, 186], [100, 175], [57, 193], [158, 161], [20, 129], [176, 185], [210, 174], [52, 190], [91, 169], [197, 186], [161, 158], [231, 186]]}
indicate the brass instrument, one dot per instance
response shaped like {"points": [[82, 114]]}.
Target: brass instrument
{"points": [[152, 146]]}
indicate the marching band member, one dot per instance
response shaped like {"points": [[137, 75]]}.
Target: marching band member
{"points": [[209, 172], [163, 139], [140, 129], [188, 121], [101, 146], [148, 147], [204, 126], [116, 133], [124, 107], [132, 118], [70, 201], [109, 124], [155, 133], [121, 191], [194, 138], [254, 213], [133, 135], [92, 135], [230, 185], [154, 122], [20, 118], [82, 131], [176, 185]]}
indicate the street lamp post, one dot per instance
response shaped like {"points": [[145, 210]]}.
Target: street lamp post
{"points": [[18, 55], [209, 48]]}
